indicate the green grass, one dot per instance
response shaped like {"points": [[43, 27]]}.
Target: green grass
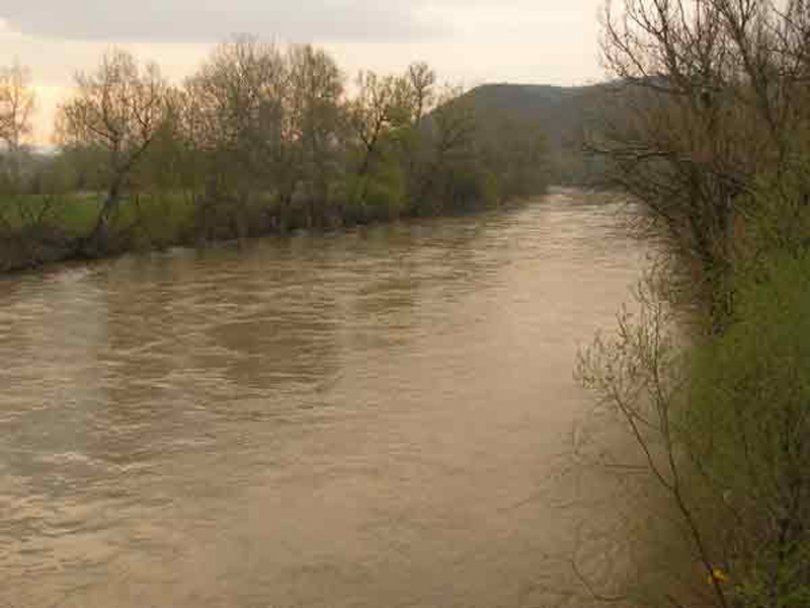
{"points": [[155, 220], [151, 220], [74, 213]]}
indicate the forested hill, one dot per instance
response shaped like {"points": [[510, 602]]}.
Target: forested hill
{"points": [[563, 113]]}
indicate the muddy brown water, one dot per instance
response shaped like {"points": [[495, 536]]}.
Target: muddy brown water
{"points": [[368, 419]]}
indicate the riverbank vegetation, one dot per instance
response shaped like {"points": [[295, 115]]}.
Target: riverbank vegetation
{"points": [[711, 379], [260, 140]]}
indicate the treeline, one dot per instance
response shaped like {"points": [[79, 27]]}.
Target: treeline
{"points": [[260, 140], [711, 133]]}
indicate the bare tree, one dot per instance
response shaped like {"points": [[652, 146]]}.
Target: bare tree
{"points": [[639, 376], [16, 108], [421, 82], [712, 94], [119, 108]]}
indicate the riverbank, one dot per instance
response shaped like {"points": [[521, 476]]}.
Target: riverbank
{"points": [[39, 231]]}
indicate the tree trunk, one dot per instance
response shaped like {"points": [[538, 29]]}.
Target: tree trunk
{"points": [[284, 213], [98, 243]]}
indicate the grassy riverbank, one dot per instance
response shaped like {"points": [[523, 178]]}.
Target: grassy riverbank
{"points": [[44, 229]]}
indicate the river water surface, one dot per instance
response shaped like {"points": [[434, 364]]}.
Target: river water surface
{"points": [[369, 419]]}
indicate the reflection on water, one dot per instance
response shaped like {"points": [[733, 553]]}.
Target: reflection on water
{"points": [[364, 419]]}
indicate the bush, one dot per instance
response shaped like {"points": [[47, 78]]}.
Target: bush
{"points": [[746, 430], [721, 428]]}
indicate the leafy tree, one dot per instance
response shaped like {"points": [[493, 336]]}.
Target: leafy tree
{"points": [[236, 122], [515, 152], [381, 106], [314, 97]]}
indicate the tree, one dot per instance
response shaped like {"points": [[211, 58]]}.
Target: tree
{"points": [[420, 80], [314, 98], [713, 94], [236, 120], [514, 152], [119, 108], [448, 174], [386, 119], [271, 125], [16, 108], [377, 108]]}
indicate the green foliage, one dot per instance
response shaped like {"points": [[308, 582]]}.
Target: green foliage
{"points": [[714, 144], [259, 141], [746, 428], [490, 189], [156, 220], [379, 195], [515, 153], [720, 429], [776, 217], [73, 213], [722, 424]]}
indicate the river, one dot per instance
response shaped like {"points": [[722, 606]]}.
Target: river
{"points": [[367, 419]]}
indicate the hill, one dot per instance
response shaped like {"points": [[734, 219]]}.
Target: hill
{"points": [[564, 113]]}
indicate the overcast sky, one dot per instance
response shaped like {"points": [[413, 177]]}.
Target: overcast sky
{"points": [[467, 41]]}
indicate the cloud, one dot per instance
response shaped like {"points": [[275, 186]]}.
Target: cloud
{"points": [[214, 20]]}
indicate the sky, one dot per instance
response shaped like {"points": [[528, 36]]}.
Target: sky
{"points": [[468, 42]]}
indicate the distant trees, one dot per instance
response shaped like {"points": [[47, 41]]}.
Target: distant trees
{"points": [[515, 151], [27, 234], [278, 144], [260, 139], [449, 177], [119, 108]]}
